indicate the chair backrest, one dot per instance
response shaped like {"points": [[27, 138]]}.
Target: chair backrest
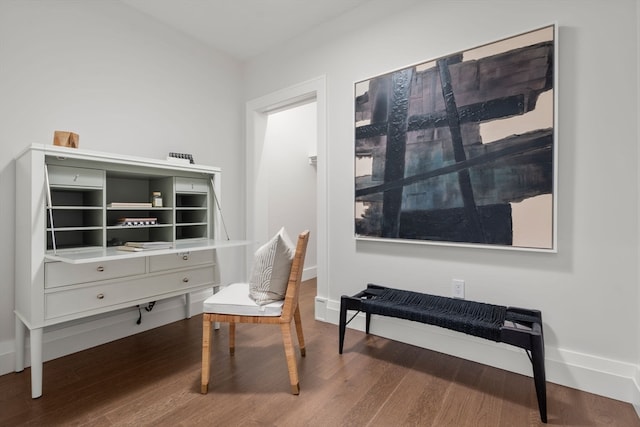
{"points": [[295, 277]]}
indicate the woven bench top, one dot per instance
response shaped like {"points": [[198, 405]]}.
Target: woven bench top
{"points": [[470, 317]]}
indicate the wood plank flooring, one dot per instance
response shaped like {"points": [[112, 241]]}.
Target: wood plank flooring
{"points": [[153, 379]]}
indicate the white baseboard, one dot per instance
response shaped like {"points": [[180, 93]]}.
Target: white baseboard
{"points": [[321, 309], [7, 357], [636, 391], [606, 377], [71, 337], [309, 273]]}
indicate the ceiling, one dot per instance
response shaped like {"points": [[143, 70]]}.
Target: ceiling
{"points": [[244, 28]]}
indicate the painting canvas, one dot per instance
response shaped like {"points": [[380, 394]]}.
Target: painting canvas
{"points": [[461, 149]]}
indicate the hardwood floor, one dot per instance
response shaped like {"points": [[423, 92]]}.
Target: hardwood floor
{"points": [[153, 378]]}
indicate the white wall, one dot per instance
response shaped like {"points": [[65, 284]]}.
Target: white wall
{"points": [[127, 85], [637, 374], [291, 181], [588, 291]]}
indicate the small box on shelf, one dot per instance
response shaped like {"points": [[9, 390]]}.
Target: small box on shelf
{"points": [[132, 222]]}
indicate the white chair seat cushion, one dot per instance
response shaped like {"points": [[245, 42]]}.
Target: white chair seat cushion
{"points": [[235, 299]]}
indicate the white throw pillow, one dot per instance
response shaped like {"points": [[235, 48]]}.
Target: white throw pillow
{"points": [[271, 268]]}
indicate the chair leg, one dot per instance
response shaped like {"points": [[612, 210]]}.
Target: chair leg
{"points": [[287, 340], [232, 338], [298, 322], [206, 353]]}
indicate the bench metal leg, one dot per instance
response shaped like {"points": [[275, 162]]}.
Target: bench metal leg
{"points": [[343, 323], [531, 341], [539, 377], [349, 303]]}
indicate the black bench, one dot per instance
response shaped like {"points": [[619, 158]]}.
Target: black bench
{"points": [[516, 326]]}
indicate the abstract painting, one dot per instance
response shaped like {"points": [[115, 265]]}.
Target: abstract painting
{"points": [[461, 149]]}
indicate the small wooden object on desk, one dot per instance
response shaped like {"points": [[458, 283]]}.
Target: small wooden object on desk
{"points": [[66, 139]]}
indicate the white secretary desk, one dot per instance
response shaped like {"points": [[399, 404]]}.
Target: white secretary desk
{"points": [[69, 209]]}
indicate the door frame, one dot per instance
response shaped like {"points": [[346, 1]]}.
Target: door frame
{"points": [[257, 111]]}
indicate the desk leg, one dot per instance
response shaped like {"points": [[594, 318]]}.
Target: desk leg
{"points": [[187, 299], [216, 325], [19, 344], [36, 362]]}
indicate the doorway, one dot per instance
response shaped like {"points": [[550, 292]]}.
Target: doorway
{"points": [[261, 193], [289, 173]]}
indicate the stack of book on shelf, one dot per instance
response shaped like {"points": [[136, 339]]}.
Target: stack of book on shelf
{"points": [[126, 221], [129, 205], [144, 246]]}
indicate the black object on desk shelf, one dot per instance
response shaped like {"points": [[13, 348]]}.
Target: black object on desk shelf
{"points": [[182, 156]]}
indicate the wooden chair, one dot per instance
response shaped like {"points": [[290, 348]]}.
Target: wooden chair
{"points": [[290, 312]]}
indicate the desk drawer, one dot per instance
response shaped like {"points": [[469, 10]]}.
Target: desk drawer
{"points": [[63, 274], [75, 177], [195, 185], [102, 297], [173, 261]]}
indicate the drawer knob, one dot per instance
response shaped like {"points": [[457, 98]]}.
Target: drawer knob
{"points": [[75, 177], [185, 257], [100, 296], [100, 268], [185, 280]]}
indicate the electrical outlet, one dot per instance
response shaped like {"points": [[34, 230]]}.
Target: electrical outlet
{"points": [[457, 288]]}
